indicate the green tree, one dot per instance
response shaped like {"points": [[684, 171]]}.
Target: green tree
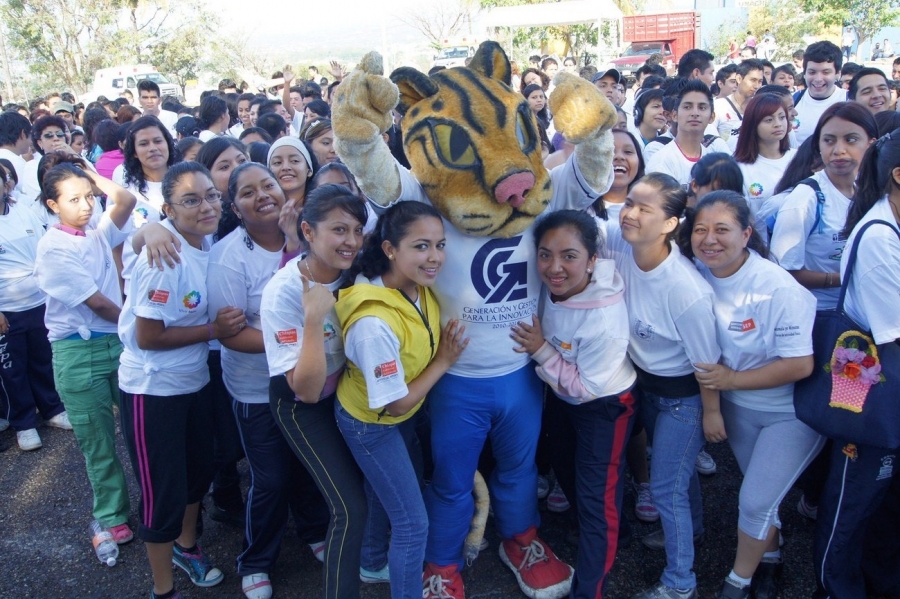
{"points": [[788, 25], [867, 17], [63, 42]]}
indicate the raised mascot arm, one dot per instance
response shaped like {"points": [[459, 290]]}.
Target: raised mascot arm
{"points": [[360, 113], [576, 105]]}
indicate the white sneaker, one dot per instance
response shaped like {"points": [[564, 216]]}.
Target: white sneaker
{"points": [[256, 586], [4, 424], [29, 440], [706, 465], [543, 487], [556, 500], [61, 420]]}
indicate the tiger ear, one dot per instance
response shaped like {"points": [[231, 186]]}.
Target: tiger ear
{"points": [[490, 60], [414, 86]]}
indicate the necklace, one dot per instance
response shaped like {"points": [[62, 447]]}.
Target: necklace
{"points": [[309, 272]]}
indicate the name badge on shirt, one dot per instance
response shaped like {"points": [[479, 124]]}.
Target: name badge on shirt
{"points": [[742, 326]]}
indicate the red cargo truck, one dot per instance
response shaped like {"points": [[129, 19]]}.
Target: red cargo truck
{"points": [[668, 34]]}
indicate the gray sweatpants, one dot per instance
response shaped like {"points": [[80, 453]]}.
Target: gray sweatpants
{"points": [[772, 450]]}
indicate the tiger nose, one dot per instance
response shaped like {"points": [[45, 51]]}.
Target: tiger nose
{"points": [[513, 188]]}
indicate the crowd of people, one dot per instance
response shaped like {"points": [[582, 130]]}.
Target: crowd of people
{"points": [[216, 276]]}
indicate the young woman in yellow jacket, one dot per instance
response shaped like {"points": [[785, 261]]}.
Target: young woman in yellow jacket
{"points": [[396, 351]]}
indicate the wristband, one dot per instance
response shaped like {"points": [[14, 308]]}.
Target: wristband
{"points": [[209, 329]]}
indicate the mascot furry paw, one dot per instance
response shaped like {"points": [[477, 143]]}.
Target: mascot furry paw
{"points": [[474, 149]]}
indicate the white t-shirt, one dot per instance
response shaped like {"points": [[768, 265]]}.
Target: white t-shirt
{"points": [[653, 147], [236, 130], [147, 210], [873, 297], [490, 284], [727, 116], [178, 297], [760, 179], [168, 118], [586, 351], [283, 317], [797, 244], [20, 231], [672, 326], [809, 110], [670, 160], [762, 314], [369, 343], [207, 135], [70, 269], [237, 276]]}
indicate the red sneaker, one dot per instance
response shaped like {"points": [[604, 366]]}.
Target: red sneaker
{"points": [[121, 533], [541, 575], [442, 582]]}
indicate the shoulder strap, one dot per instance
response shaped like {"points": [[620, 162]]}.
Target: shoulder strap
{"points": [[798, 95], [851, 259], [663, 139], [708, 139], [818, 223], [738, 112]]}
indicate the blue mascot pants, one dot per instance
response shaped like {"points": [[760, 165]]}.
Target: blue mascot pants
{"points": [[464, 411]]}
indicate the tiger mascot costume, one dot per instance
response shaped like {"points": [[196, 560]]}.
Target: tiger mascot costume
{"points": [[475, 153]]}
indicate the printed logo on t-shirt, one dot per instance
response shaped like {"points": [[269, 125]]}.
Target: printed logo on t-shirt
{"points": [[644, 331], [330, 333], [887, 467], [756, 190], [288, 337], [2, 251], [386, 369], [191, 300], [158, 296], [140, 217], [560, 343], [742, 326], [496, 278], [29, 231]]}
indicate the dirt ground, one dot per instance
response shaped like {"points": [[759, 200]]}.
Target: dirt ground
{"points": [[45, 552]]}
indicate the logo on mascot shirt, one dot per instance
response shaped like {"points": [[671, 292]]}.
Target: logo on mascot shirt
{"points": [[496, 278]]}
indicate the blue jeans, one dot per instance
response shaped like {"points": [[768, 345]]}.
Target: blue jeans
{"points": [[464, 411], [677, 437], [392, 487]]}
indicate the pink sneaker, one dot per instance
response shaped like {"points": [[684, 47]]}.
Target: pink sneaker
{"points": [[121, 533]]}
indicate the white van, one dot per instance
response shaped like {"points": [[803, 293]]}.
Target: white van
{"points": [[111, 82]]}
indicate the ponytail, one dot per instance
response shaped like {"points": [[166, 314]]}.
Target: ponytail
{"points": [[875, 178]]}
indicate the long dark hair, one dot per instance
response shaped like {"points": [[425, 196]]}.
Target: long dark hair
{"points": [[804, 163], [134, 170], [760, 107], [322, 200], [393, 226], [740, 210], [875, 177]]}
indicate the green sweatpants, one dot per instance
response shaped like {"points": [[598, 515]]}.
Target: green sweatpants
{"points": [[87, 379]]}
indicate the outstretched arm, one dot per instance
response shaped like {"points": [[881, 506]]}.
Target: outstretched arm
{"points": [[586, 118], [360, 113]]}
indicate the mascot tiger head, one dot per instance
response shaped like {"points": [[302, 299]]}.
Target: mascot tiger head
{"points": [[473, 144]]}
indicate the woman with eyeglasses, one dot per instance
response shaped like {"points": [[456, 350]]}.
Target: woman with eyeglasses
{"points": [[164, 378], [319, 135], [47, 134]]}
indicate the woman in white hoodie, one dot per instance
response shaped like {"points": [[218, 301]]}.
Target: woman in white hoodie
{"points": [[580, 344]]}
